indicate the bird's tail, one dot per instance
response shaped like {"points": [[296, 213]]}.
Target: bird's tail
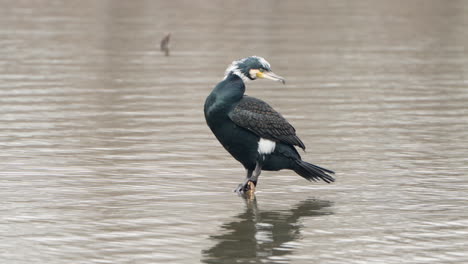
{"points": [[313, 172]]}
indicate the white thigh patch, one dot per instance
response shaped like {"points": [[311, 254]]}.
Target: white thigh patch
{"points": [[266, 146]]}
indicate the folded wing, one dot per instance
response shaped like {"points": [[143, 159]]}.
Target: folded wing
{"points": [[260, 118]]}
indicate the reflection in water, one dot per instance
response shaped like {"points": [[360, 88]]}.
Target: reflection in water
{"points": [[257, 236]]}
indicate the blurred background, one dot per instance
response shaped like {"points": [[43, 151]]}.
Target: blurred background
{"points": [[105, 156]]}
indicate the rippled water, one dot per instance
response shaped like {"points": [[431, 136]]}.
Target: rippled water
{"points": [[106, 158]]}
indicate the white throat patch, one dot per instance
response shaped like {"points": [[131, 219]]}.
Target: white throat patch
{"points": [[266, 146]]}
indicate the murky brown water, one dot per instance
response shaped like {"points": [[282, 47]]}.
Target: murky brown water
{"points": [[106, 158]]}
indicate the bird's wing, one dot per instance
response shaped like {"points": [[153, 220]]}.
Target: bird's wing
{"points": [[260, 118]]}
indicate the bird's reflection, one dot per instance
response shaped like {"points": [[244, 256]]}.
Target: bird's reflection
{"points": [[262, 236]]}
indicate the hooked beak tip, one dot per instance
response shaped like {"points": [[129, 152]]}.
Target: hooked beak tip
{"points": [[272, 76]]}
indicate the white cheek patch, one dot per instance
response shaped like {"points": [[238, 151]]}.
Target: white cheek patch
{"points": [[253, 73], [266, 146]]}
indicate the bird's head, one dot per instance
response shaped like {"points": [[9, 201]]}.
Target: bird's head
{"points": [[251, 68]]}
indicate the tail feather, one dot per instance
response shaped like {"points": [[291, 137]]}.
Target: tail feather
{"points": [[313, 172]]}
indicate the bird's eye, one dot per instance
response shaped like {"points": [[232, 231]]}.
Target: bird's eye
{"points": [[261, 70]]}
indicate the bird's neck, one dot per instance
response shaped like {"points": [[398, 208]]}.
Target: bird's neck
{"points": [[231, 89]]}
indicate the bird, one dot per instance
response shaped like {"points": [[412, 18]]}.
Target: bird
{"points": [[165, 44], [255, 134]]}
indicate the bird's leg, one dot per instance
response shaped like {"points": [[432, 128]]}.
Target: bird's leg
{"points": [[258, 170], [243, 186], [252, 177]]}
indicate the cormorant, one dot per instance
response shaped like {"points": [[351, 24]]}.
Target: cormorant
{"points": [[252, 131]]}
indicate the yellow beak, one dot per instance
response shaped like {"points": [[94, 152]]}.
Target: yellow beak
{"points": [[270, 75]]}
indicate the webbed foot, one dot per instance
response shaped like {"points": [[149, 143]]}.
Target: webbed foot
{"points": [[247, 187]]}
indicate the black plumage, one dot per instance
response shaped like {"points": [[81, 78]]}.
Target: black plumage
{"points": [[252, 131], [260, 118]]}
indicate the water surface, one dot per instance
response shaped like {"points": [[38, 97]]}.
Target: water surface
{"points": [[106, 158]]}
